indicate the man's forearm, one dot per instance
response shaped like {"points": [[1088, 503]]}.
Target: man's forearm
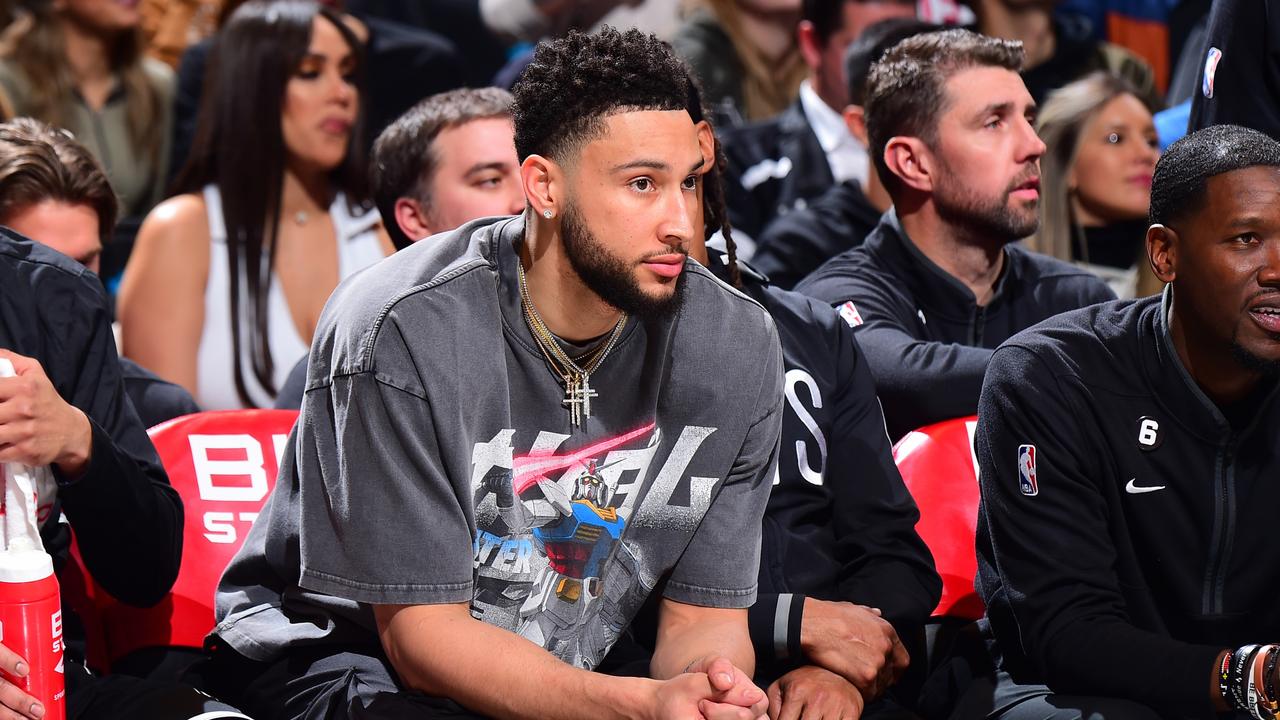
{"points": [[497, 673], [682, 642]]}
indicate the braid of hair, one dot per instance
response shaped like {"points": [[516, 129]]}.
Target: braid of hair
{"points": [[717, 213]]}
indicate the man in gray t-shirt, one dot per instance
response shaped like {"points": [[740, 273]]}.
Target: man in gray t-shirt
{"points": [[514, 434]]}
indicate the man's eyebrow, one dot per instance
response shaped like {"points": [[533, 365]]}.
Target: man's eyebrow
{"points": [[483, 166], [641, 164], [1003, 108]]}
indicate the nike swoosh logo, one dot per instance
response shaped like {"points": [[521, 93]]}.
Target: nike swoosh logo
{"points": [[1134, 489]]}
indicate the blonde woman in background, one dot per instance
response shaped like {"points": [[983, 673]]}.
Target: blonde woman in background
{"points": [[1095, 184], [79, 65], [745, 54]]}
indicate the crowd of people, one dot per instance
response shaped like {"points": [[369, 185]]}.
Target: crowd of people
{"points": [[601, 341]]}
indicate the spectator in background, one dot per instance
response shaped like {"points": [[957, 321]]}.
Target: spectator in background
{"points": [[171, 25], [79, 65], [1239, 76], [449, 160], [402, 65], [1096, 181], [54, 192], [230, 277], [941, 281], [1060, 49], [781, 164], [744, 52], [796, 244], [530, 20]]}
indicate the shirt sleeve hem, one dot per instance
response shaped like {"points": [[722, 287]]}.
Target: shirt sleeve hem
{"points": [[710, 597], [383, 593]]}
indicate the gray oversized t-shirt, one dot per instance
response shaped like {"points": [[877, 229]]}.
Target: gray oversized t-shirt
{"points": [[433, 462]]}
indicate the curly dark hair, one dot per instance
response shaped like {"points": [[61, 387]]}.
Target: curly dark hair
{"points": [[1178, 186], [575, 82]]}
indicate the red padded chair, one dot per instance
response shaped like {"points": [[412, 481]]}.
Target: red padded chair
{"points": [[939, 467], [223, 464]]}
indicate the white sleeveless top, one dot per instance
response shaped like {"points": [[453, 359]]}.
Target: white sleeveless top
{"points": [[358, 247]]}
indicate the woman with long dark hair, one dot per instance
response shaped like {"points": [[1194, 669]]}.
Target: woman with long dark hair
{"points": [[79, 65], [228, 278]]}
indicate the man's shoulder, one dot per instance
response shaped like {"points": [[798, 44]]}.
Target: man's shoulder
{"points": [[1057, 277], [431, 273], [1092, 344], [711, 298], [844, 275]]}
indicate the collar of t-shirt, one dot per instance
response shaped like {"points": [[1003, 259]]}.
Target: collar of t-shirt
{"points": [[846, 156]]}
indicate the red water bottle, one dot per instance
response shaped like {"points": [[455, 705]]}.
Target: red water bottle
{"points": [[31, 625], [30, 606]]}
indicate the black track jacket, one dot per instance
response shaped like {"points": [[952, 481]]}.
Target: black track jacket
{"points": [[925, 337], [1138, 539], [127, 519], [840, 524]]}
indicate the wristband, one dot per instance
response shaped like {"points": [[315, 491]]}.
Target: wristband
{"points": [[1224, 677], [795, 622], [1263, 707], [1269, 679], [1241, 664]]}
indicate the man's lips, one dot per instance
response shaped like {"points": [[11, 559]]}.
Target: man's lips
{"points": [[1266, 313], [1028, 189], [669, 265]]}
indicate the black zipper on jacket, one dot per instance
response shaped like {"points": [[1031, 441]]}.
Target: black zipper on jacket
{"points": [[1224, 528], [978, 325]]}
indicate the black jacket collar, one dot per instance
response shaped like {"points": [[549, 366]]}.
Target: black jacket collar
{"points": [[934, 289]]}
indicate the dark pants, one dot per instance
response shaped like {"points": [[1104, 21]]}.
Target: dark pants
{"points": [[322, 685], [108, 697], [1006, 700]]}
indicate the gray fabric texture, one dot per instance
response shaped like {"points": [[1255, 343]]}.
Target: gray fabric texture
{"points": [[434, 463]]}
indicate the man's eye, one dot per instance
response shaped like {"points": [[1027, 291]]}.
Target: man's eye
{"points": [[642, 184], [691, 182]]}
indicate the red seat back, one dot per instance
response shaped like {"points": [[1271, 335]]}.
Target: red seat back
{"points": [[939, 467], [223, 464]]}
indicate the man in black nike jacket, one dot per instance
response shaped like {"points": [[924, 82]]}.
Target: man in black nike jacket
{"points": [[1129, 457]]}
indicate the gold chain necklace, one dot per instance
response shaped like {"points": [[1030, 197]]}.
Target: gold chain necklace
{"points": [[576, 377]]}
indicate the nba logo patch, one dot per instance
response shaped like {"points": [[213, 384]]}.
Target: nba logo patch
{"points": [[1210, 70], [1027, 470], [850, 314]]}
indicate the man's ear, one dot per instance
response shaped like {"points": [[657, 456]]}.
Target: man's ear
{"points": [[706, 146], [1162, 251], [543, 181], [911, 161], [810, 45], [855, 118], [412, 219]]}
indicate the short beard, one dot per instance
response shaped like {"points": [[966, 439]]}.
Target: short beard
{"points": [[982, 219], [1268, 369], [609, 277]]}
